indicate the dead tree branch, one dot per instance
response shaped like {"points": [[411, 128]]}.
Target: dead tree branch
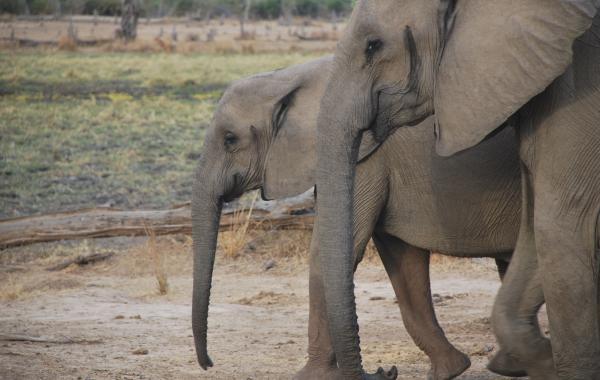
{"points": [[294, 214]]}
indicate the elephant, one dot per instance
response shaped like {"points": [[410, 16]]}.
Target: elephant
{"points": [[263, 136], [476, 66]]}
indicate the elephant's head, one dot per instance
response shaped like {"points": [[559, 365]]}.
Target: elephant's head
{"points": [[471, 62], [262, 136]]}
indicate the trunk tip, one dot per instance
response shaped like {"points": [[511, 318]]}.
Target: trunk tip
{"points": [[204, 361]]}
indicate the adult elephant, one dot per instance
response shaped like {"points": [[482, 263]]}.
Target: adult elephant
{"points": [[477, 64], [263, 136]]}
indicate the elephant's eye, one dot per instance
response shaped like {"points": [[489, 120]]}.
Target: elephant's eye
{"points": [[230, 139], [373, 46]]}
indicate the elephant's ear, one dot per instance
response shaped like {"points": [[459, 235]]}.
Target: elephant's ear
{"points": [[497, 56], [291, 160]]}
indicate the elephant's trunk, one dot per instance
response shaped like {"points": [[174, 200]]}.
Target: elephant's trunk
{"points": [[206, 213], [337, 155]]}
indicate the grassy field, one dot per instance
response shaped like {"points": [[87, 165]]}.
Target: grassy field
{"points": [[87, 129]]}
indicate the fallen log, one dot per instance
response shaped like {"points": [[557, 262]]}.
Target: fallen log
{"points": [[25, 42], [294, 214], [82, 260], [34, 339]]}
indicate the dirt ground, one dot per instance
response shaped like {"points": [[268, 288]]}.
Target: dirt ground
{"points": [[109, 322]]}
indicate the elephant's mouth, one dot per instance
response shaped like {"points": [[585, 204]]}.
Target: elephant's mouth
{"points": [[388, 119], [235, 189]]}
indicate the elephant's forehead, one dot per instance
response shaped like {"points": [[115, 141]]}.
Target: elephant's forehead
{"points": [[238, 112], [384, 14]]}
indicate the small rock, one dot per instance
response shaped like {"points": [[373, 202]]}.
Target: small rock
{"points": [[120, 317], [136, 317], [270, 264], [140, 351], [376, 298], [484, 351]]}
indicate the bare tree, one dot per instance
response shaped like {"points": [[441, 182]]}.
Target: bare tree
{"points": [[25, 7], [244, 16], [247, 7], [287, 8], [130, 12], [241, 9]]}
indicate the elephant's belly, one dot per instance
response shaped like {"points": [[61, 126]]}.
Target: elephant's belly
{"points": [[469, 237], [467, 205]]}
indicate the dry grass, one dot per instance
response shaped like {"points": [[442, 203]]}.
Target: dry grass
{"points": [[198, 37], [247, 46], [11, 288], [233, 243], [67, 43], [35, 281], [371, 254], [158, 259], [443, 263], [292, 245]]}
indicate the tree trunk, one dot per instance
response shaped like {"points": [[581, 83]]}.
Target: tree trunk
{"points": [[129, 18], [247, 6], [295, 213], [287, 7]]}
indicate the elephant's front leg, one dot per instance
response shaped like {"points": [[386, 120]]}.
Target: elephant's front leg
{"points": [[408, 270], [515, 311], [560, 147], [321, 357], [321, 362], [570, 268]]}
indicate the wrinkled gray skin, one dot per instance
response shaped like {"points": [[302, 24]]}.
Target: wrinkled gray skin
{"points": [[477, 64], [404, 198]]}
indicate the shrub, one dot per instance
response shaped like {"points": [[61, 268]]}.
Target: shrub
{"points": [[103, 7]]}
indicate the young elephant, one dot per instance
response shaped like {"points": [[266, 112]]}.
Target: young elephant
{"points": [[406, 198]]}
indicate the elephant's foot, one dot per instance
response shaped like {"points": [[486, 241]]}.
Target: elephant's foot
{"points": [[506, 365], [448, 366], [382, 374], [542, 370], [316, 371], [538, 364]]}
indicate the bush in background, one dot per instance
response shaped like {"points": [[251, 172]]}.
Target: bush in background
{"points": [[262, 9]]}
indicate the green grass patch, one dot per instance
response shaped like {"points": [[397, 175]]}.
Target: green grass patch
{"points": [[148, 69], [82, 130]]}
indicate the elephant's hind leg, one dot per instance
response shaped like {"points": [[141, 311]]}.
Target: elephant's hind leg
{"points": [[408, 270]]}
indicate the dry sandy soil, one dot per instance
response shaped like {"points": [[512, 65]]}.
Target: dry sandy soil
{"points": [[112, 312]]}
